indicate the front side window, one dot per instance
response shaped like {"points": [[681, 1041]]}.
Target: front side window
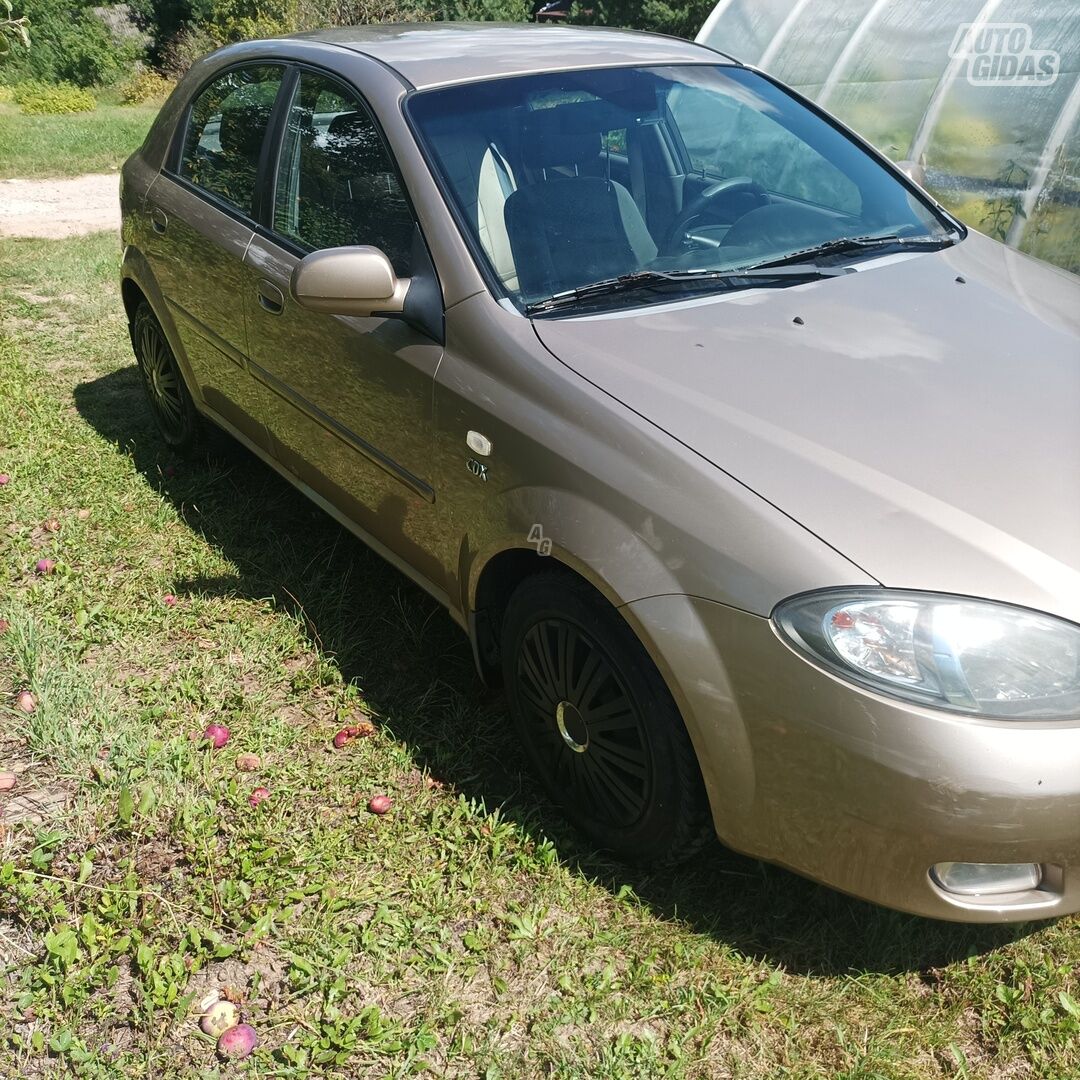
{"points": [[576, 178], [336, 183], [225, 133]]}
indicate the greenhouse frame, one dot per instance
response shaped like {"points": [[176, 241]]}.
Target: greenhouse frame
{"points": [[981, 96]]}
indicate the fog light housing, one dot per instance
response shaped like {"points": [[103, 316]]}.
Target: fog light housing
{"points": [[986, 879]]}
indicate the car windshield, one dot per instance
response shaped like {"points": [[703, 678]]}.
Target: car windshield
{"points": [[567, 179]]}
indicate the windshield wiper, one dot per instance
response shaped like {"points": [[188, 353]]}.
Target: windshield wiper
{"points": [[844, 244], [648, 279]]}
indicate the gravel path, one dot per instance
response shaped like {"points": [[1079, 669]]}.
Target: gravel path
{"points": [[58, 208]]}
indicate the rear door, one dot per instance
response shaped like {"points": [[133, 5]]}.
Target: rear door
{"points": [[351, 409], [203, 209]]}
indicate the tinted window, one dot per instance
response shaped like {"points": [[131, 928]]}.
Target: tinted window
{"points": [[337, 185], [225, 133], [727, 137], [571, 178]]}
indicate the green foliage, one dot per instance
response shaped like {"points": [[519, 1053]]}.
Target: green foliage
{"points": [[41, 99], [658, 16], [12, 31], [144, 86], [483, 10], [184, 30], [71, 44], [313, 13]]}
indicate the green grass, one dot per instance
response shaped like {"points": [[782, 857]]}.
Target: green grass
{"points": [[98, 141], [468, 933]]}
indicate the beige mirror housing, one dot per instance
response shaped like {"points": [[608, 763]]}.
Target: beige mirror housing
{"points": [[349, 281]]}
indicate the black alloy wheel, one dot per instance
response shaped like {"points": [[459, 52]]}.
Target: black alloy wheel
{"points": [[170, 401], [598, 724]]}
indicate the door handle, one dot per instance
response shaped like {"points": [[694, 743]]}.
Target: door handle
{"points": [[271, 297], [159, 220]]}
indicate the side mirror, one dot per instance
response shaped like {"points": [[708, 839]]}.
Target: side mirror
{"points": [[349, 281]]}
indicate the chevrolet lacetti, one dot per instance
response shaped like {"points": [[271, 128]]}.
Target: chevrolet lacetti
{"points": [[751, 474]]}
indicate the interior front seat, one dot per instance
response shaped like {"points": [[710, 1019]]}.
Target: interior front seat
{"points": [[569, 230]]}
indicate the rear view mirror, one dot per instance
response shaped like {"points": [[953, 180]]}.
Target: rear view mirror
{"points": [[349, 281]]}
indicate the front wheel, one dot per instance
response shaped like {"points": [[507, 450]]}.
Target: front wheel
{"points": [[598, 724], [170, 402]]}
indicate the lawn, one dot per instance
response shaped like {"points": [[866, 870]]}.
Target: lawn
{"points": [[467, 933], [97, 141]]}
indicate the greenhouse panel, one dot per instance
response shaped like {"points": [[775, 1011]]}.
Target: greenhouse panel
{"points": [[983, 94]]}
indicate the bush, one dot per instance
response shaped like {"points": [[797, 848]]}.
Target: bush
{"points": [[26, 88], [144, 86], [37, 99], [184, 48], [70, 44]]}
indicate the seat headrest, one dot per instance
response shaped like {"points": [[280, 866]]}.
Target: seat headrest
{"points": [[346, 124], [241, 129], [353, 139], [567, 134]]}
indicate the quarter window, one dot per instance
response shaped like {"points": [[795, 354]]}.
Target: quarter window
{"points": [[337, 185], [225, 133]]}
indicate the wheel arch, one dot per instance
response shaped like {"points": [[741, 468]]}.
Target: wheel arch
{"points": [[137, 283], [626, 566], [548, 529]]}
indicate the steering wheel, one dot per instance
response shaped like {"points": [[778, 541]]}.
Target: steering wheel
{"points": [[728, 186]]}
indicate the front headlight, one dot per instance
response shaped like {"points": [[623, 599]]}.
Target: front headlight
{"points": [[949, 652]]}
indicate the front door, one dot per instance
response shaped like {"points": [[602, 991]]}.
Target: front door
{"points": [[352, 411], [203, 213]]}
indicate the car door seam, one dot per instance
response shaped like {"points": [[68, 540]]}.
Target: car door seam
{"points": [[346, 435]]}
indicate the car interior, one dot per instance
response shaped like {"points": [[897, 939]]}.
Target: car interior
{"points": [[584, 190]]}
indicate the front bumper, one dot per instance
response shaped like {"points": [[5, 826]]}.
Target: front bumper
{"points": [[859, 791]]}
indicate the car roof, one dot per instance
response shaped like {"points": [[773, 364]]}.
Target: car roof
{"points": [[434, 54]]}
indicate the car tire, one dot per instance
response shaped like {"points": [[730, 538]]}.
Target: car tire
{"points": [[598, 724], [170, 401]]}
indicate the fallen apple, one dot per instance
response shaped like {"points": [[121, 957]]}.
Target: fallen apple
{"points": [[45, 566], [219, 1017], [25, 701], [379, 804], [236, 1043], [248, 762], [169, 600], [7, 781], [216, 734], [4, 479], [259, 795]]}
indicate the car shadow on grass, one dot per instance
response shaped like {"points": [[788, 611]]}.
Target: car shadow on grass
{"points": [[415, 669]]}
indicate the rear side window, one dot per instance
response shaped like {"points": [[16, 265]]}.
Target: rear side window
{"points": [[337, 184], [225, 133]]}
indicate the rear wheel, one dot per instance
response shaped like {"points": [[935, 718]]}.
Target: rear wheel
{"points": [[170, 402], [598, 724]]}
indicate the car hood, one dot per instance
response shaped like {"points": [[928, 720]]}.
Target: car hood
{"points": [[921, 416]]}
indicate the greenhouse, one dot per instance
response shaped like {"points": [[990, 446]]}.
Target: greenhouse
{"points": [[983, 96]]}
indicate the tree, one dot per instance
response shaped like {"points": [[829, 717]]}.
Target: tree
{"points": [[12, 31]]}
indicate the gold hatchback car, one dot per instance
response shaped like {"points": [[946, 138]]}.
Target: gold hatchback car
{"points": [[749, 472]]}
